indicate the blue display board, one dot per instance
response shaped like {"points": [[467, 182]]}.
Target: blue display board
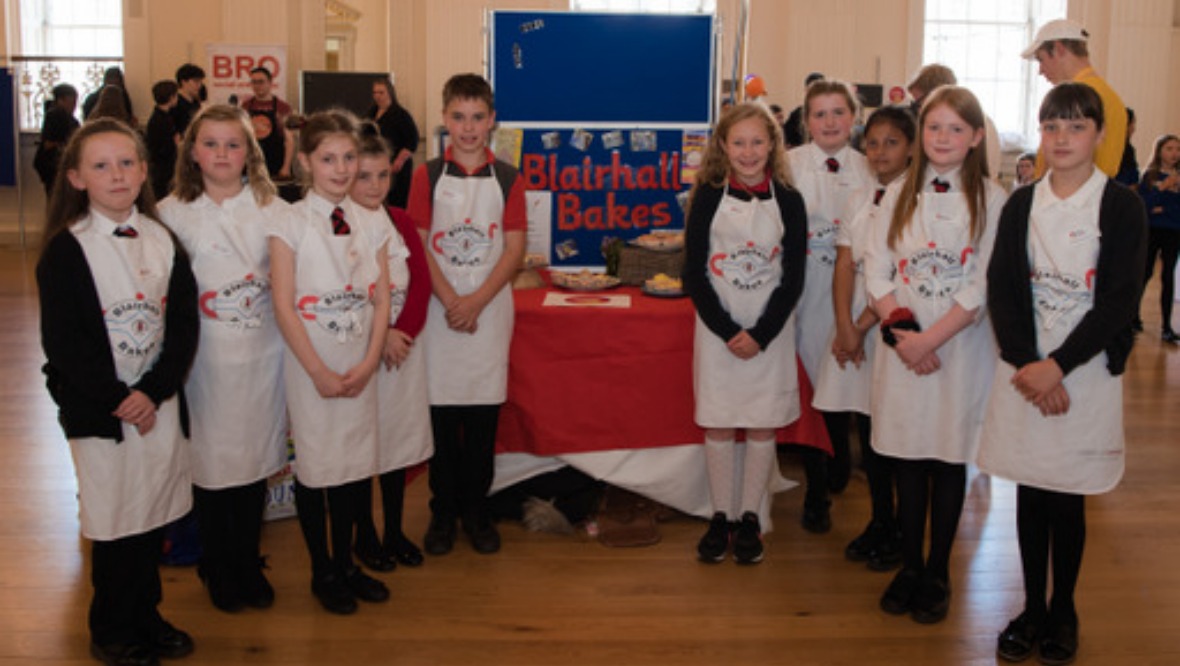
{"points": [[7, 127], [605, 184], [580, 67]]}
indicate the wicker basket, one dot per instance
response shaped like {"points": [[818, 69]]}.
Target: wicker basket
{"points": [[637, 264]]}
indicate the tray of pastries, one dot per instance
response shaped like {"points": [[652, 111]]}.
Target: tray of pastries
{"points": [[583, 280], [660, 241], [664, 286]]}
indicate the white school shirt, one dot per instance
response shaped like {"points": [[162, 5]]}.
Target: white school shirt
{"points": [[139, 484], [335, 438], [466, 240], [1081, 451], [745, 267], [235, 388], [831, 199], [849, 389], [405, 436], [934, 265]]}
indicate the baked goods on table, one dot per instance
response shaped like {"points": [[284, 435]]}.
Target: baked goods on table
{"points": [[661, 241], [664, 284], [583, 280]]}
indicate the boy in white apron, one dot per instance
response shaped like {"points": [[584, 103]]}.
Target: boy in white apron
{"points": [[1063, 290], [470, 210]]}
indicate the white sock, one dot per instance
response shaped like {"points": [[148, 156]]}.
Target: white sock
{"points": [[756, 474], [719, 464]]}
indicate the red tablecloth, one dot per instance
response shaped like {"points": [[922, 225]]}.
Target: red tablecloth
{"points": [[585, 379]]}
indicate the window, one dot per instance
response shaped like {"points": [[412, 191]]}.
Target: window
{"points": [[65, 41], [654, 6], [981, 42]]}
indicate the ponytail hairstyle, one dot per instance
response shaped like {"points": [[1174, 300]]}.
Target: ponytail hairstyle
{"points": [[371, 142], [188, 183], [68, 204], [714, 169], [973, 172]]}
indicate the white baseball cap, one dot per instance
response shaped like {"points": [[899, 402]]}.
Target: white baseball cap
{"points": [[1054, 31]]}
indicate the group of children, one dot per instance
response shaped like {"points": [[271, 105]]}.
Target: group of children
{"points": [[320, 312], [916, 244], [315, 312]]}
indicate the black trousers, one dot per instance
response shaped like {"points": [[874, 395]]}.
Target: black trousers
{"points": [[1164, 243], [230, 521], [464, 460], [125, 574]]}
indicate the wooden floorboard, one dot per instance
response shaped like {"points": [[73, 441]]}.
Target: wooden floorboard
{"points": [[568, 600]]}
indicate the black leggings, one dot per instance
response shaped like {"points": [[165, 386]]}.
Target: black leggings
{"points": [[1049, 522], [879, 470], [230, 520], [1166, 244], [393, 495], [941, 487], [341, 507]]}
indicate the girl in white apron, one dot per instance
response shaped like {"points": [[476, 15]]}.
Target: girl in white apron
{"points": [[235, 388], [404, 406], [119, 330], [846, 372], [835, 181], [925, 272], [744, 266], [331, 291], [470, 209], [1062, 302]]}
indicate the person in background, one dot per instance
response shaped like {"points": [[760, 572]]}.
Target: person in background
{"points": [[794, 129], [1026, 169], [190, 80], [926, 275], [269, 115], [746, 250], [1129, 168], [162, 137], [398, 129], [780, 116], [1061, 293], [113, 76], [405, 438], [470, 211], [119, 331], [56, 129], [221, 209], [1061, 50], [1160, 190], [110, 105]]}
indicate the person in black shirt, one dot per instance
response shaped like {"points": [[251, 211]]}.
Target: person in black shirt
{"points": [[190, 79], [56, 129], [162, 137]]}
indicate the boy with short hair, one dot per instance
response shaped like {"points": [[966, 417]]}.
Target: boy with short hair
{"points": [[189, 79], [470, 210], [162, 137]]}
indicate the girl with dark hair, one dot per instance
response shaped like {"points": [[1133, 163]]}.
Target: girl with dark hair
{"points": [[398, 129]]}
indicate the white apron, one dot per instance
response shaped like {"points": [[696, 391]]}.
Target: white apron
{"points": [[335, 438], [1082, 450], [404, 410], [849, 389], [235, 389], [831, 199], [745, 266], [466, 240], [938, 415], [139, 484]]}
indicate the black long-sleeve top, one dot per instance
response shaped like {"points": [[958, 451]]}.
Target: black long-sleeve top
{"points": [[1118, 284], [696, 263], [80, 372]]}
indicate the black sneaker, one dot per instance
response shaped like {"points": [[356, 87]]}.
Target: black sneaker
{"points": [[364, 586], [899, 596], [817, 517], [859, 549], [168, 642], [440, 536], [1059, 643], [333, 593], [932, 600], [747, 541], [483, 535], [403, 551], [886, 556], [713, 546], [1018, 640]]}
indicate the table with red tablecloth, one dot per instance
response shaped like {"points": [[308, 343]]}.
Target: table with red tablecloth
{"points": [[609, 391]]}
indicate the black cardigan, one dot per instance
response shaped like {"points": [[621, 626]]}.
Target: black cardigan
{"points": [[1118, 284], [696, 264], [80, 372]]}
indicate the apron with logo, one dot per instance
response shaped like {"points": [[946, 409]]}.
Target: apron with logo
{"points": [[467, 239], [139, 484], [745, 266]]}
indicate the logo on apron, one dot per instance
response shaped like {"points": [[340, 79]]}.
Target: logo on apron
{"points": [[933, 273], [821, 244], [746, 268], [464, 244], [239, 304], [336, 312], [1057, 294], [135, 326]]}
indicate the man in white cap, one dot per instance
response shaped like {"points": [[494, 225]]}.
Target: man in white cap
{"points": [[1060, 49]]}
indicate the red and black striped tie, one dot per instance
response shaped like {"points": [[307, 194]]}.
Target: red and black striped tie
{"points": [[940, 186], [877, 197], [126, 231], [833, 165], [339, 226]]}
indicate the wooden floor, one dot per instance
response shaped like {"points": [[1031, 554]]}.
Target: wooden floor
{"points": [[568, 600]]}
